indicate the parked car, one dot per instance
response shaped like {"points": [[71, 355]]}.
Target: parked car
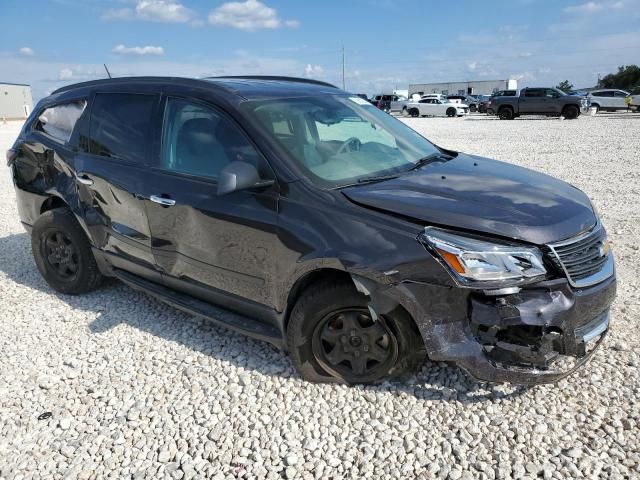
{"points": [[471, 102], [297, 213], [539, 101], [434, 107], [633, 100], [438, 96], [483, 103], [608, 99], [390, 103]]}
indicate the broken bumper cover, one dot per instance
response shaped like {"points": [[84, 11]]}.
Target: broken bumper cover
{"points": [[538, 335]]}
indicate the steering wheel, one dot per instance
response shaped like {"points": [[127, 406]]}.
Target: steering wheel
{"points": [[351, 144]]}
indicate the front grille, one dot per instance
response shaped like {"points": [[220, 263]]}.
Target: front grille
{"points": [[581, 256]]}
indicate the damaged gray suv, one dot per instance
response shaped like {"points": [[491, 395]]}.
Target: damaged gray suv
{"points": [[300, 214]]}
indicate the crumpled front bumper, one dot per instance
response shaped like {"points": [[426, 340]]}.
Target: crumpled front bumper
{"points": [[539, 335]]}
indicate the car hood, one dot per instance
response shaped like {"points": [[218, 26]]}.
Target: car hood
{"points": [[483, 195]]}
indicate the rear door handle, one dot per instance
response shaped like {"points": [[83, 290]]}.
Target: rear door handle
{"points": [[83, 179], [167, 202]]}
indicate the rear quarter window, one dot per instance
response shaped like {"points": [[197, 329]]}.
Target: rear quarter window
{"points": [[59, 121], [120, 125]]}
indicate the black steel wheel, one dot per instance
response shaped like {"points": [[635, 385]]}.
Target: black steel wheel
{"points": [[63, 253], [332, 337], [351, 345]]}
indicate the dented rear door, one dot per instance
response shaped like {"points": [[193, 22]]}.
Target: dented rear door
{"points": [[111, 169]]}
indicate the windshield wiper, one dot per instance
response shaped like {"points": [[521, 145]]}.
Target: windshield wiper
{"points": [[379, 178], [434, 157]]}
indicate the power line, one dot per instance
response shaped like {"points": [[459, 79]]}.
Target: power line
{"points": [[343, 84]]}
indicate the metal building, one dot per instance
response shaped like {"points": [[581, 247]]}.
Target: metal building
{"points": [[479, 87], [16, 101]]}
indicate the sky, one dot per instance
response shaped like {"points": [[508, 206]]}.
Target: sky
{"points": [[387, 43]]}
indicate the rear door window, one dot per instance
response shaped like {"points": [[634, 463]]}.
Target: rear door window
{"points": [[534, 92], [59, 121], [120, 125]]}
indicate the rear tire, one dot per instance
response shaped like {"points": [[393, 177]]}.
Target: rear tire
{"points": [[473, 108], [63, 253], [505, 113], [331, 337], [570, 112]]}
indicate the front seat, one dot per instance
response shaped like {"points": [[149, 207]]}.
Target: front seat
{"points": [[236, 147], [198, 150]]}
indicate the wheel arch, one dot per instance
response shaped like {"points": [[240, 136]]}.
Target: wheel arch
{"points": [[51, 202], [378, 302], [309, 279]]}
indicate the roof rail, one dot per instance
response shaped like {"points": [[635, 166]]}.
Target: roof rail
{"points": [[273, 77], [125, 80]]}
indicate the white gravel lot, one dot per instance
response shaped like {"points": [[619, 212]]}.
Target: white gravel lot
{"points": [[138, 389]]}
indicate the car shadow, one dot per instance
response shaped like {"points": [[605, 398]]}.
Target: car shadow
{"points": [[115, 304]]}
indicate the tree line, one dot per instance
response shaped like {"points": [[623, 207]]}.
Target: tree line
{"points": [[626, 78]]}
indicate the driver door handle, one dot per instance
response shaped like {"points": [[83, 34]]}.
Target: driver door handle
{"points": [[167, 202], [83, 179]]}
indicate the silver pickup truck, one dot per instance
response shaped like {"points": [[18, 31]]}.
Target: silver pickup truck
{"points": [[539, 101]]}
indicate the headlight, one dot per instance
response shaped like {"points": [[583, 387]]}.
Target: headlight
{"points": [[474, 261]]}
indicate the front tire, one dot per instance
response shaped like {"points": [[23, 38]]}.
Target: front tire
{"points": [[505, 113], [570, 112], [63, 253], [414, 112], [332, 337], [451, 112]]}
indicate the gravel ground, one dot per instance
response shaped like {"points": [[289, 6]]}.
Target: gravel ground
{"points": [[136, 388]]}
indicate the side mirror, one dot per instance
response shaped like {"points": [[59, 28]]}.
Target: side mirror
{"points": [[240, 176]]}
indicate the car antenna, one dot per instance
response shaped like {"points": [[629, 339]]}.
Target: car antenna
{"points": [[105, 67]]}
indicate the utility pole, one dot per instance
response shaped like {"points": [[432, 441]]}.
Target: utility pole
{"points": [[343, 84]]}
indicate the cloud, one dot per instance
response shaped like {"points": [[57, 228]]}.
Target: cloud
{"points": [[311, 71], [118, 14], [147, 50], [65, 74], [26, 52], [249, 15], [592, 7], [163, 11], [167, 11]]}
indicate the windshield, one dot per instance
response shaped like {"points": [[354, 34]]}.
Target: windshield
{"points": [[340, 140]]}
